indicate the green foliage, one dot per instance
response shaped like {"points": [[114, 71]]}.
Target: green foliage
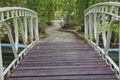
{"points": [[78, 28], [44, 8], [71, 10]]}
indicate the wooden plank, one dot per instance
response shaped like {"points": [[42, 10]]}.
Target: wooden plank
{"points": [[63, 61], [77, 77]]}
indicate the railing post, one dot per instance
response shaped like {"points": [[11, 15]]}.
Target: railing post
{"points": [[22, 31], [90, 26], [95, 25], [31, 28], [1, 64], [97, 32], [36, 29], [26, 31], [16, 33], [109, 37], [104, 29], [86, 27]]}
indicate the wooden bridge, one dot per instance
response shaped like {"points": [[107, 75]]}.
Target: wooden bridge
{"points": [[61, 61]]}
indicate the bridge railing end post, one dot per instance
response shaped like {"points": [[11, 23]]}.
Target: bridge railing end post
{"points": [[1, 64]]}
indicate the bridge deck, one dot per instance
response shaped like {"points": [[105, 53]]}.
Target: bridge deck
{"points": [[63, 61]]}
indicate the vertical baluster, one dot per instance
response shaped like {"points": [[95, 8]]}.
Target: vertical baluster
{"points": [[99, 8], [16, 32], [111, 10], [36, 29], [90, 26], [26, 31], [2, 16], [22, 31], [86, 27], [97, 31], [106, 9], [8, 15], [31, 29], [16, 12], [23, 13], [19, 12], [102, 8], [116, 10], [12, 13], [1, 64], [95, 25], [96, 9], [109, 37], [104, 29]]}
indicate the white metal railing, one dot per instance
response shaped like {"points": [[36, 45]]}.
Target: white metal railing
{"points": [[96, 18], [25, 22]]}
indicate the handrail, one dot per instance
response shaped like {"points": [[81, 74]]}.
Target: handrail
{"points": [[117, 4], [95, 18], [16, 8], [25, 23]]}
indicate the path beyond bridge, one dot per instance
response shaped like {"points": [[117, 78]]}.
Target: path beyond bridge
{"points": [[62, 56]]}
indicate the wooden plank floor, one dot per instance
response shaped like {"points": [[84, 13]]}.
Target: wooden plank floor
{"points": [[63, 61]]}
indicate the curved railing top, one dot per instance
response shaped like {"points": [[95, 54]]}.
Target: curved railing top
{"points": [[106, 4], [7, 13], [16, 8]]}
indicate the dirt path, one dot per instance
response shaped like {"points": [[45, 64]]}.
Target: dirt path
{"points": [[58, 36]]}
